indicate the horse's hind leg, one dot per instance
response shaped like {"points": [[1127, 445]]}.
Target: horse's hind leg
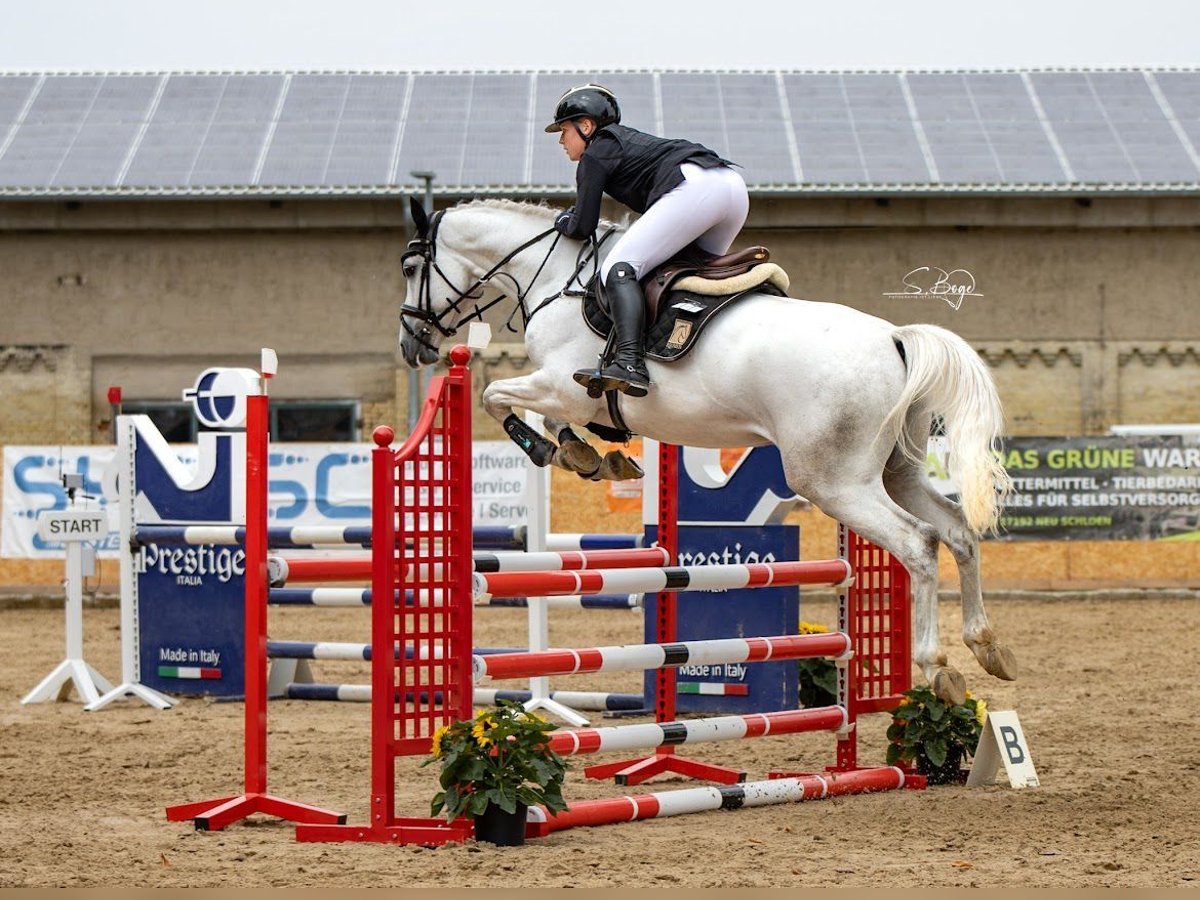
{"points": [[910, 488], [868, 509]]}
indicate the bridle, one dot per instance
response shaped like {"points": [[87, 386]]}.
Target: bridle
{"points": [[424, 246]]}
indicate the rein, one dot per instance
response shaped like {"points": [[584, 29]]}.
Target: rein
{"points": [[425, 247]]}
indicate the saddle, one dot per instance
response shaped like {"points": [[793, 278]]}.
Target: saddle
{"points": [[694, 264], [682, 296]]}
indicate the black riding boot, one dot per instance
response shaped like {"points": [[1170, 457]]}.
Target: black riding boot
{"points": [[627, 307]]}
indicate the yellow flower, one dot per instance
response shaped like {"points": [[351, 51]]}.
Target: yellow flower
{"points": [[812, 628], [970, 696], [480, 729], [980, 711], [436, 748], [906, 701]]}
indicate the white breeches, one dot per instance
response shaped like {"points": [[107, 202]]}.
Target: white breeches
{"points": [[708, 207]]}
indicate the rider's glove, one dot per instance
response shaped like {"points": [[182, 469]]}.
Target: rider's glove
{"points": [[563, 222]]}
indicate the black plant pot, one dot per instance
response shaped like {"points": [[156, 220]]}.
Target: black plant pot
{"points": [[505, 829], [948, 772]]}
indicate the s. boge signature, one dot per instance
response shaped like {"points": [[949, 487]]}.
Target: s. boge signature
{"points": [[935, 282]]}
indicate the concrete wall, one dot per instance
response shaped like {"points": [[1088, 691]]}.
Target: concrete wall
{"points": [[1088, 315], [1085, 314]]}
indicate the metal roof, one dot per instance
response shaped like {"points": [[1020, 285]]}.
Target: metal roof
{"points": [[351, 134]]}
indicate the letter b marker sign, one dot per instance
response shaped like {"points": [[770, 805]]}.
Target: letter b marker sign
{"points": [[1002, 743]]}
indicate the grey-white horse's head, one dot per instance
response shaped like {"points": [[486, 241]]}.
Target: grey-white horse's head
{"points": [[441, 288]]}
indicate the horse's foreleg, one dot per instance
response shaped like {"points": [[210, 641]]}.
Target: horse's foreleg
{"points": [[911, 490], [573, 453], [536, 392]]}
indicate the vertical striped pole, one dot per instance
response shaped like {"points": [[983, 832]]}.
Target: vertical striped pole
{"points": [[668, 539], [383, 531], [255, 661]]}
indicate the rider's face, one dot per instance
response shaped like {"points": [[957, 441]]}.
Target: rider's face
{"points": [[573, 145]]}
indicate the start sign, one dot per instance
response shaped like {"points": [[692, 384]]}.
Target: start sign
{"points": [[73, 525]]}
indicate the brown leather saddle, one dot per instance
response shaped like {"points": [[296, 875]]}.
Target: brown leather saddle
{"points": [[691, 260]]}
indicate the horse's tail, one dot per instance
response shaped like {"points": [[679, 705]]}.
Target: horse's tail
{"points": [[947, 378]]}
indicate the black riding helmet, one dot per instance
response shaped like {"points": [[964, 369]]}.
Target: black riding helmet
{"points": [[592, 100]]}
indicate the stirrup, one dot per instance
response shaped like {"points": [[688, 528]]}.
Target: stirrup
{"points": [[600, 381]]}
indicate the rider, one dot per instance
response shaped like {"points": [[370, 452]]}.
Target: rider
{"points": [[686, 193]]}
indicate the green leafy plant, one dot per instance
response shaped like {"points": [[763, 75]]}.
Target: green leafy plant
{"points": [[500, 757], [818, 677], [934, 734]]}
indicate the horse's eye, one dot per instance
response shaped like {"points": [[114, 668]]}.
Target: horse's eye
{"points": [[409, 271]]}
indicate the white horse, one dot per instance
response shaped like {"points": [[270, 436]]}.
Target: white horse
{"points": [[847, 398]]}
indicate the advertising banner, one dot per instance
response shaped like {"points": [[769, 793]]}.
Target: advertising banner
{"points": [[311, 484], [1119, 488]]}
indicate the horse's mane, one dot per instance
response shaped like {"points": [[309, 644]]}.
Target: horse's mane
{"points": [[541, 209]]}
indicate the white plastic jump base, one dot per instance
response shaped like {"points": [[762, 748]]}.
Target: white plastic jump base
{"points": [[132, 691], [68, 674]]}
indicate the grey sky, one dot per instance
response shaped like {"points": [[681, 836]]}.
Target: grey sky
{"points": [[127, 35]]}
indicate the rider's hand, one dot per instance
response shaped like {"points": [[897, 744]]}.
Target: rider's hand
{"points": [[563, 222]]}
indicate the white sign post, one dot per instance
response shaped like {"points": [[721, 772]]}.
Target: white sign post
{"points": [[73, 527]]}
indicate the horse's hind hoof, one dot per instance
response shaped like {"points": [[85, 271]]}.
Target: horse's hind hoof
{"points": [[996, 659], [950, 686]]}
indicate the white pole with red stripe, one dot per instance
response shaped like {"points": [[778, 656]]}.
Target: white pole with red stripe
{"points": [[833, 572], [642, 657], [696, 731], [314, 570], [661, 804]]}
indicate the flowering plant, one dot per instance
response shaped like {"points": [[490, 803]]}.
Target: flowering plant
{"points": [[935, 734], [500, 757], [818, 677]]}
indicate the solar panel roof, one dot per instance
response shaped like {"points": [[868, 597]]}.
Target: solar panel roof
{"points": [[364, 133]]}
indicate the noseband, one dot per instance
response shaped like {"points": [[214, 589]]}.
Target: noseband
{"points": [[424, 246]]}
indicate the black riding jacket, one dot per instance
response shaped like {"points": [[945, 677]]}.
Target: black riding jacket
{"points": [[632, 167]]}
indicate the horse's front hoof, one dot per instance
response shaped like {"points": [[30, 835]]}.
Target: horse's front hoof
{"points": [[996, 659], [577, 456], [950, 686], [616, 466]]}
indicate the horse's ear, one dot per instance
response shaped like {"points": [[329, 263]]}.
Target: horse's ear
{"points": [[417, 210]]}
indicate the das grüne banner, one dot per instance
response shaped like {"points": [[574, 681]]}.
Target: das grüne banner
{"points": [[1112, 488]]}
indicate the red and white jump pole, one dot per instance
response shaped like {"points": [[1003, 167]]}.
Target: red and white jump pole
{"points": [[697, 731], [834, 572], [612, 810], [305, 570], [642, 657]]}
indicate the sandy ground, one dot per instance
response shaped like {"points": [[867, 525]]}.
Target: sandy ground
{"points": [[1108, 698]]}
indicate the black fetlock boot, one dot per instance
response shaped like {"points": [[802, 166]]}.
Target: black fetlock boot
{"points": [[627, 307]]}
